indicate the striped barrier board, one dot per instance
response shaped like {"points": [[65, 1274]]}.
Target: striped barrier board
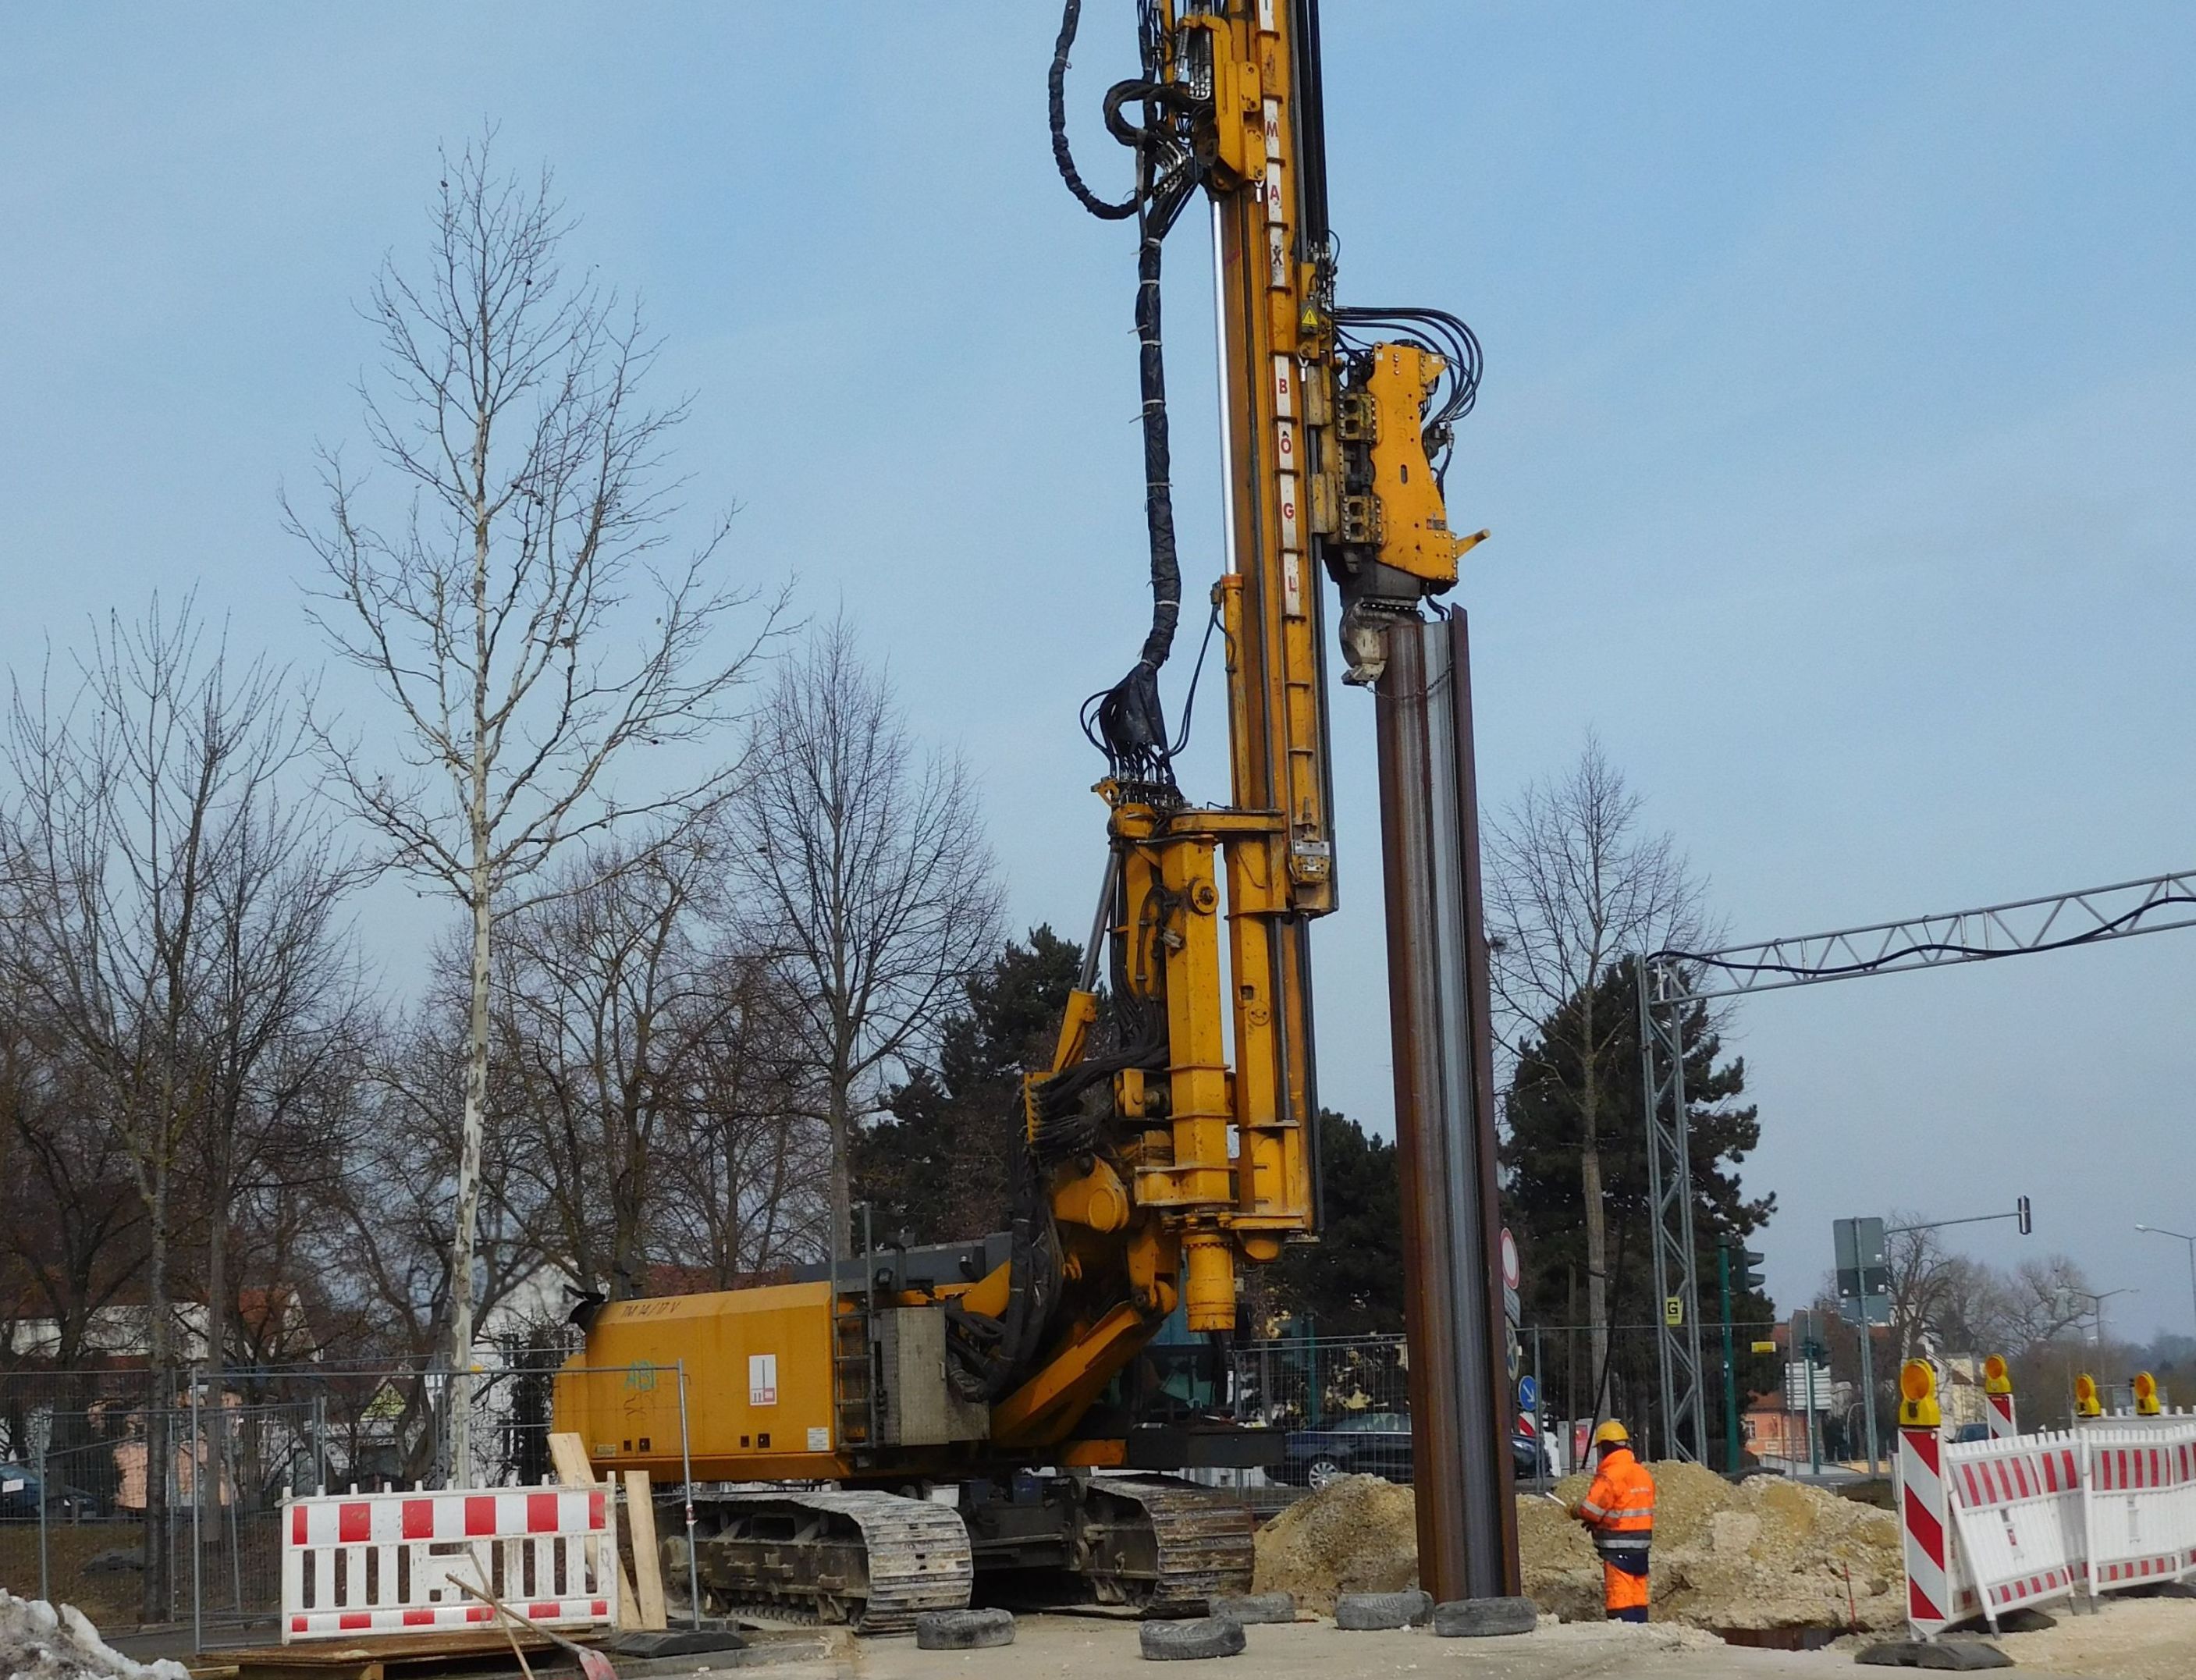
{"points": [[1940, 1589], [393, 1562], [2139, 1501], [2017, 1509]]}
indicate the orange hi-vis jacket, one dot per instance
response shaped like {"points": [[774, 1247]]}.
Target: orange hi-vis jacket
{"points": [[1619, 1507]]}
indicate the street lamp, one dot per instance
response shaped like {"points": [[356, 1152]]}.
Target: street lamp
{"points": [[2178, 1237], [2097, 1301]]}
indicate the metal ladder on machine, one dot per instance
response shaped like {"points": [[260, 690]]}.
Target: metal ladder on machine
{"points": [[855, 1353]]}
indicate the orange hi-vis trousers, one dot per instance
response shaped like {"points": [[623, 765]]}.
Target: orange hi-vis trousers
{"points": [[1624, 1596]]}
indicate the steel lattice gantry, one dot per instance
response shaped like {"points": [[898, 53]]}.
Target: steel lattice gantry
{"points": [[1672, 981]]}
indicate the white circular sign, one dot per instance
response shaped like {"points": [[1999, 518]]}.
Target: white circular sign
{"points": [[1509, 1259]]}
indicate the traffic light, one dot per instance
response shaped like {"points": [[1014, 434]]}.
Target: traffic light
{"points": [[1747, 1277], [2020, 1213]]}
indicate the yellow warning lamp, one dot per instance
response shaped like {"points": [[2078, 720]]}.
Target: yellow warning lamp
{"points": [[2085, 1397], [1995, 1380], [2146, 1395], [1918, 1390]]}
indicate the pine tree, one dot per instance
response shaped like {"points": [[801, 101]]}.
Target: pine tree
{"points": [[940, 1169], [1351, 1282], [1542, 1198]]}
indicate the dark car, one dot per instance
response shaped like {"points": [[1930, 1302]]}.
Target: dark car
{"points": [[18, 1498], [1374, 1443]]}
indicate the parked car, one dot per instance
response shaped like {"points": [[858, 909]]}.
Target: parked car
{"points": [[1375, 1443], [18, 1498]]}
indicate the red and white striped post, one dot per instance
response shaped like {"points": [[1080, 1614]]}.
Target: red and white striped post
{"points": [[1924, 1517], [1997, 1398]]}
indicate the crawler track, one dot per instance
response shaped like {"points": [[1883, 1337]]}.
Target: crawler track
{"points": [[1166, 1546], [871, 1560]]}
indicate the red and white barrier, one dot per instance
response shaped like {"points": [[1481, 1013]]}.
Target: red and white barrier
{"points": [[2139, 1500], [391, 1562], [2017, 1510], [1998, 1400], [1940, 1589]]}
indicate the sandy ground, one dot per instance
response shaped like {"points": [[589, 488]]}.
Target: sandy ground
{"points": [[2128, 1639], [1089, 1648]]}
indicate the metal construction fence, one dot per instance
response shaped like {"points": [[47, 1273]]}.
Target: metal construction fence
{"points": [[144, 1515], [169, 1515]]}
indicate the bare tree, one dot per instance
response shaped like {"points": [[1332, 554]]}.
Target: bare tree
{"points": [[514, 606], [748, 1190], [868, 863], [605, 1005], [1574, 888], [134, 805]]}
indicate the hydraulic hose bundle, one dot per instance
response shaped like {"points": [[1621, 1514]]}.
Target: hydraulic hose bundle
{"points": [[1128, 722]]}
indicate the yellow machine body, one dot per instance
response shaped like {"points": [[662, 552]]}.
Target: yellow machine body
{"points": [[760, 1401]]}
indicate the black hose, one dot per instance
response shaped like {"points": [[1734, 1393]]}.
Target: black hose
{"points": [[1056, 87]]}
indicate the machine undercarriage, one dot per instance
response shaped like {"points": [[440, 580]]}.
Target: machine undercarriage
{"points": [[876, 1560]]}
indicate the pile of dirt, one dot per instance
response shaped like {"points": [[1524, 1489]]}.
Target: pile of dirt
{"points": [[39, 1642], [1356, 1534], [1764, 1554]]}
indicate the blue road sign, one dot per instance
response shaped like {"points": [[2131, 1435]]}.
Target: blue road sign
{"points": [[1529, 1394]]}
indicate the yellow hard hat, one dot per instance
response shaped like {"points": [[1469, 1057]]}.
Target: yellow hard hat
{"points": [[1612, 1433]]}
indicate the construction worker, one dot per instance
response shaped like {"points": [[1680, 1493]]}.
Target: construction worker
{"points": [[1619, 1512]]}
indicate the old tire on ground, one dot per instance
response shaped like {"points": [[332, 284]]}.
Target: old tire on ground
{"points": [[1372, 1612], [964, 1630], [1250, 1608], [1485, 1618], [1183, 1641]]}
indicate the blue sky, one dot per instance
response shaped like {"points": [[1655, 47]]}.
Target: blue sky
{"points": [[1835, 438]]}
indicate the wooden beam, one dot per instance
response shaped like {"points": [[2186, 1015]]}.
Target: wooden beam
{"points": [[647, 1559], [568, 1453]]}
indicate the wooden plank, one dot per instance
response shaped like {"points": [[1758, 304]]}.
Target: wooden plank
{"points": [[568, 1453], [647, 1560]]}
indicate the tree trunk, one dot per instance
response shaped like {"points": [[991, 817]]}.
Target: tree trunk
{"points": [[469, 1185], [1596, 1272], [159, 1397], [1595, 1209], [460, 1433], [842, 1188], [217, 1324]]}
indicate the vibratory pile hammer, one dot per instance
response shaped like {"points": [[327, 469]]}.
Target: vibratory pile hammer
{"points": [[960, 1407]]}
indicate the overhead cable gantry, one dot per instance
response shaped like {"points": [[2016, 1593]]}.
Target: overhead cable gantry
{"points": [[1670, 980]]}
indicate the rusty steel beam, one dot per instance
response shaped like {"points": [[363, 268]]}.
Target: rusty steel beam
{"points": [[1437, 985]]}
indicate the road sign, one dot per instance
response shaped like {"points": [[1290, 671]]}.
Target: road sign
{"points": [[1764, 1347], [1529, 1394], [1511, 1303], [1863, 1268], [1799, 1395], [1674, 1311]]}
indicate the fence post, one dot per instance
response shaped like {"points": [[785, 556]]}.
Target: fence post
{"points": [[198, 1507], [45, 1474], [686, 1494]]}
